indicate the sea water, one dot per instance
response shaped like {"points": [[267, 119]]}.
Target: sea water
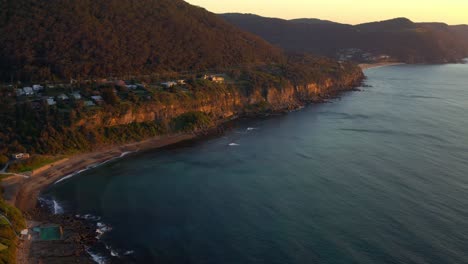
{"points": [[377, 176]]}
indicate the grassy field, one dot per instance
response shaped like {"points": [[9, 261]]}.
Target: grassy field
{"points": [[33, 163]]}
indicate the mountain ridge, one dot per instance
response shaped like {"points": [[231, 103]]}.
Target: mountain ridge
{"points": [[400, 38], [69, 39]]}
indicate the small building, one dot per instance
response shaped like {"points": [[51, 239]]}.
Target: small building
{"points": [[63, 97], [169, 84], [19, 92], [20, 156], [217, 79], [97, 98], [37, 87], [28, 91], [181, 82], [76, 95], [89, 103], [51, 101]]}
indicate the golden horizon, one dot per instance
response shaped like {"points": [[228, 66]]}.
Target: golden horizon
{"points": [[452, 12]]}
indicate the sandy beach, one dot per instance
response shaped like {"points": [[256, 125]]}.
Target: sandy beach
{"points": [[366, 66], [23, 192]]}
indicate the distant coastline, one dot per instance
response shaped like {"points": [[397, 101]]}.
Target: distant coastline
{"points": [[366, 66]]}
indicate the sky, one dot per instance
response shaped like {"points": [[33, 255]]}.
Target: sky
{"points": [[347, 11]]}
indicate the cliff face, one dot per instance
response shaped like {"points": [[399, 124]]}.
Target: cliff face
{"points": [[225, 105]]}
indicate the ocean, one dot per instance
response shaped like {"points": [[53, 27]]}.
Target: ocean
{"points": [[377, 176]]}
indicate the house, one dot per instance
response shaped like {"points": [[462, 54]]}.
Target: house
{"points": [[20, 156], [37, 87], [76, 95], [97, 98], [89, 103], [51, 101], [63, 97], [19, 92], [28, 91], [216, 79], [169, 84], [180, 82]]}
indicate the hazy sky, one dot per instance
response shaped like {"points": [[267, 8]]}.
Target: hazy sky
{"points": [[347, 11]]}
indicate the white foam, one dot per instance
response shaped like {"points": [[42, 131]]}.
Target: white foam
{"points": [[96, 257], [234, 144], [251, 128], [129, 252], [52, 205], [88, 217], [113, 252], [102, 229], [57, 208]]}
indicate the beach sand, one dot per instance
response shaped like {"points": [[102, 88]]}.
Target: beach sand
{"points": [[23, 192]]}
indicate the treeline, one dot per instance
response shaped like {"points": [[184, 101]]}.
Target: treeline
{"points": [[9, 233], [64, 39]]}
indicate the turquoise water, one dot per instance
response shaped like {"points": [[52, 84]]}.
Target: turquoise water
{"points": [[378, 176]]}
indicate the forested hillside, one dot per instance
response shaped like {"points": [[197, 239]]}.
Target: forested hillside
{"points": [[43, 40], [33, 125], [141, 68], [401, 39]]}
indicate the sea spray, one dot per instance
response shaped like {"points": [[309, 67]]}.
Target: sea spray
{"points": [[58, 209], [99, 259], [52, 205], [102, 229]]}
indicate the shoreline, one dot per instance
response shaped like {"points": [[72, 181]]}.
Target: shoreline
{"points": [[24, 193], [367, 66]]}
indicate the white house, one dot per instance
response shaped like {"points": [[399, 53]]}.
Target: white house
{"points": [[28, 91], [76, 95], [51, 101], [63, 97], [37, 87], [89, 103], [97, 98], [169, 84], [19, 156], [19, 92]]}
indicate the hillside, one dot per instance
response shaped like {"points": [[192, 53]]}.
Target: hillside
{"points": [[401, 39], [78, 39]]}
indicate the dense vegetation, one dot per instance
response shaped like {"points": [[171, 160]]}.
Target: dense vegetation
{"points": [[400, 38], [8, 233], [30, 125], [83, 39]]}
